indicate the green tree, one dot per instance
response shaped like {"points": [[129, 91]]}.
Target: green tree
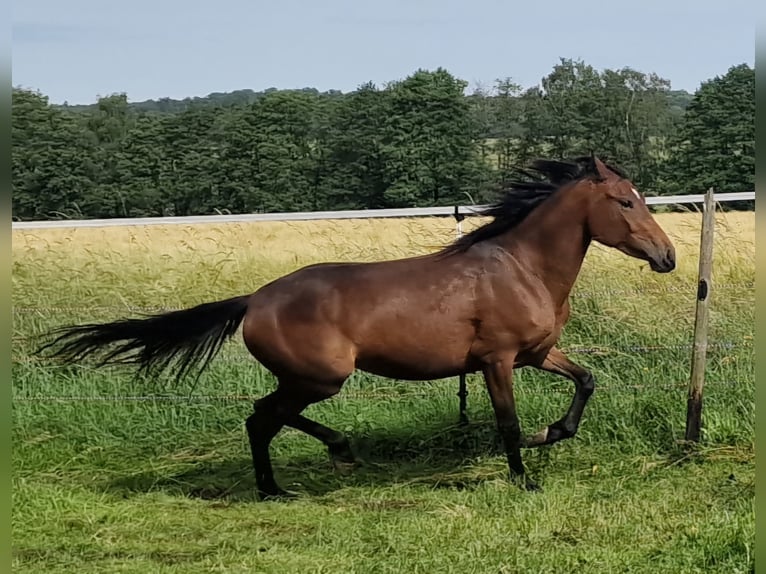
{"points": [[49, 158], [106, 127], [715, 145], [571, 97], [429, 142], [282, 147], [623, 115], [141, 166], [635, 121], [191, 148], [355, 174], [508, 115]]}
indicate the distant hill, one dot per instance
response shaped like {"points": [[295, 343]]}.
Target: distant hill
{"points": [[215, 99], [679, 100]]}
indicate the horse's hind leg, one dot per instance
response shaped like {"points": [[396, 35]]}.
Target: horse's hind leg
{"points": [[269, 416], [283, 407], [337, 443], [313, 391]]}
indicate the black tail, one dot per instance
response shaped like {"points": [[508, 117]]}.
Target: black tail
{"points": [[180, 341]]}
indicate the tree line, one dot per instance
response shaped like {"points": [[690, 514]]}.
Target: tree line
{"points": [[419, 141]]}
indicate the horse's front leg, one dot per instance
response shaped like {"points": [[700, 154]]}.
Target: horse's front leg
{"points": [[499, 378], [566, 427]]}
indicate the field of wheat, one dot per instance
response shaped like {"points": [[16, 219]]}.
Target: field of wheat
{"points": [[113, 474]]}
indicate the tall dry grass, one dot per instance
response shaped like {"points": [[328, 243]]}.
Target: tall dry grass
{"points": [[181, 264]]}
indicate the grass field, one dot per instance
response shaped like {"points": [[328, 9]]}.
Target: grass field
{"points": [[165, 485]]}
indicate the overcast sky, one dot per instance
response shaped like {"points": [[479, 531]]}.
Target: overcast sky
{"points": [[79, 49]]}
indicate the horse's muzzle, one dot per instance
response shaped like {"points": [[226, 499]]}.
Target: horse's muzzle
{"points": [[664, 263]]}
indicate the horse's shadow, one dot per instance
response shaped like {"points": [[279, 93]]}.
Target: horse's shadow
{"points": [[439, 455]]}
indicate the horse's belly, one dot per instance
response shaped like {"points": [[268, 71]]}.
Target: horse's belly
{"points": [[418, 366], [410, 373]]}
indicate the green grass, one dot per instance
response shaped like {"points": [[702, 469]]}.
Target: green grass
{"points": [[167, 486]]}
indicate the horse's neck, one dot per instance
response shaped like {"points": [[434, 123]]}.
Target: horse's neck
{"points": [[553, 241]]}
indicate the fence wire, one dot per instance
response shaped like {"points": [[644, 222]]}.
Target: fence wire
{"points": [[593, 350], [394, 393], [350, 395]]}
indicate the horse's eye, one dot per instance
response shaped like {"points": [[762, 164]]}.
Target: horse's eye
{"points": [[626, 203]]}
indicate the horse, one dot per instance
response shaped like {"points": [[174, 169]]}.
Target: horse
{"points": [[493, 301]]}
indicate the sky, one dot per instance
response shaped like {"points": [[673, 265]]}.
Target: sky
{"points": [[79, 50]]}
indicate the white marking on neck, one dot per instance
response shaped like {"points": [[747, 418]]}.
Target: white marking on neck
{"points": [[633, 189]]}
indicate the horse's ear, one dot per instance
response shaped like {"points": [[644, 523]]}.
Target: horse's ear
{"points": [[596, 168]]}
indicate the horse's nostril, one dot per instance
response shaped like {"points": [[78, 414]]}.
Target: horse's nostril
{"points": [[670, 261]]}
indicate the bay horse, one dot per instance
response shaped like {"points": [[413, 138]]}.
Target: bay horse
{"points": [[494, 300]]}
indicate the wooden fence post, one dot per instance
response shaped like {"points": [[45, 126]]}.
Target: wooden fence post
{"points": [[699, 353]]}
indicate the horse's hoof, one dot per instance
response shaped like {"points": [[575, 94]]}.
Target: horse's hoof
{"points": [[343, 467], [530, 486], [342, 459], [535, 440], [525, 483]]}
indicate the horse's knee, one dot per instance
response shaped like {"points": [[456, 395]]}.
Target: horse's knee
{"points": [[510, 431], [588, 384]]}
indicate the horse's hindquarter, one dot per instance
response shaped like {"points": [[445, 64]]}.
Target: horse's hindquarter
{"points": [[407, 319]]}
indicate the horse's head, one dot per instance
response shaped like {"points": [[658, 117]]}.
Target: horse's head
{"points": [[618, 217]]}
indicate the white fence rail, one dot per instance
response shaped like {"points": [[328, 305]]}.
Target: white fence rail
{"points": [[465, 210]]}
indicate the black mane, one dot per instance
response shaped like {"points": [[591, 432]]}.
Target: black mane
{"points": [[519, 198]]}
